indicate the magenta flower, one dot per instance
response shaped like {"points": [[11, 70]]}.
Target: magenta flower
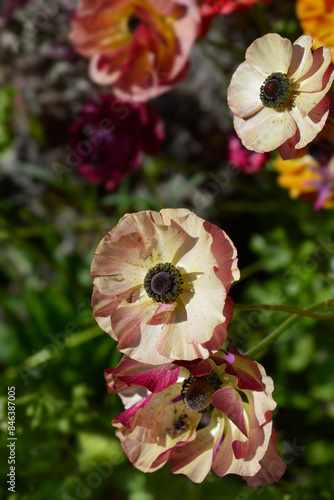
{"points": [[199, 415], [109, 138], [243, 159]]}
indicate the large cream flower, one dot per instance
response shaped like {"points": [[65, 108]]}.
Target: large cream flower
{"points": [[161, 285], [278, 95], [213, 414]]}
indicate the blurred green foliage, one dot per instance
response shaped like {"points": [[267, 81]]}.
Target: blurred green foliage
{"points": [[54, 354]]}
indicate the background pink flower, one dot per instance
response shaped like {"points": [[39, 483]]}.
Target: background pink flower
{"points": [[109, 138], [140, 48], [226, 7], [241, 158]]}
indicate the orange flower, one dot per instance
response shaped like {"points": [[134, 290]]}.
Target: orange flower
{"points": [[161, 283], [311, 174], [317, 20], [140, 47]]}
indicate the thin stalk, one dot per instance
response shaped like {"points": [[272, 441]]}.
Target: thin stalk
{"points": [[266, 342], [287, 309]]}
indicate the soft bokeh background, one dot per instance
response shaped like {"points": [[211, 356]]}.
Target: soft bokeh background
{"points": [[51, 221]]}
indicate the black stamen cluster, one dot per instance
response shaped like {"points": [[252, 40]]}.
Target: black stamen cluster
{"points": [[274, 91], [163, 283]]}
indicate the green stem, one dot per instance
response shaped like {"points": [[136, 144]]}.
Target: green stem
{"points": [[266, 342], [287, 309]]}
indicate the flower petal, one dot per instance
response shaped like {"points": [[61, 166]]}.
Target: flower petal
{"points": [[272, 467], [243, 94], [306, 101], [195, 458], [318, 76], [310, 125], [270, 54], [229, 401], [266, 130], [302, 58]]}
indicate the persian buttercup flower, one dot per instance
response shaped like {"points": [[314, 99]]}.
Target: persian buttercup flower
{"points": [[201, 415], [317, 20], [311, 174], [140, 47], [278, 95], [109, 138], [241, 158], [160, 285]]}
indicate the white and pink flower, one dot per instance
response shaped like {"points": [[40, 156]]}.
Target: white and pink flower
{"points": [[161, 283], [279, 94], [204, 415]]}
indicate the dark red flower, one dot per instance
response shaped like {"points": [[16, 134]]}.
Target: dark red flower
{"points": [[109, 138]]}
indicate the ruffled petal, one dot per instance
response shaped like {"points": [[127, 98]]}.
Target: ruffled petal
{"points": [[302, 58], [310, 125], [272, 467], [270, 54], [306, 101], [243, 94], [318, 76]]}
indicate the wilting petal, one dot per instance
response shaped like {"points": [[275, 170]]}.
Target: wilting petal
{"points": [[235, 436], [272, 467]]}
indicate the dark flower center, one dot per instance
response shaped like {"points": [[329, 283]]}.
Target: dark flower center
{"points": [[163, 283], [274, 92], [197, 391], [133, 23]]}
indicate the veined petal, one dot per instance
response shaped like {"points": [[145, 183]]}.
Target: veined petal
{"points": [[270, 54], [266, 130], [243, 94]]}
